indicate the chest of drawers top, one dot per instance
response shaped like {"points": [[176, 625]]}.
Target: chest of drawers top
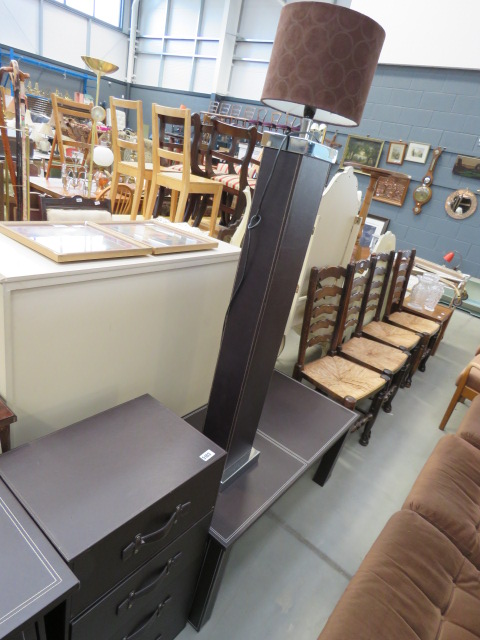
{"points": [[112, 490]]}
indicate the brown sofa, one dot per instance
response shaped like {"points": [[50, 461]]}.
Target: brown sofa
{"points": [[421, 578]]}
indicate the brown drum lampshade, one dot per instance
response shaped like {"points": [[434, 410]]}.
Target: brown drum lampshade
{"points": [[324, 57]]}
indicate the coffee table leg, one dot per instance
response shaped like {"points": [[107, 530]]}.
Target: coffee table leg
{"points": [[328, 461], [211, 574]]}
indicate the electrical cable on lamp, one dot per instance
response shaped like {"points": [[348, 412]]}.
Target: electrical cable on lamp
{"points": [[323, 61]]}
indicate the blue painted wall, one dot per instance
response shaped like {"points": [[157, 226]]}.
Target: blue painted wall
{"points": [[440, 107]]}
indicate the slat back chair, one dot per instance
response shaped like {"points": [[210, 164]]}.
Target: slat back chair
{"points": [[138, 169], [258, 119], [401, 272], [429, 330], [371, 324], [249, 113], [74, 115], [375, 294], [337, 377], [359, 279], [390, 361], [440, 314], [213, 106], [236, 179], [123, 200], [182, 183], [274, 121], [224, 109]]}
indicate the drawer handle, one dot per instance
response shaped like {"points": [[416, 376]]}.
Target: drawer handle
{"points": [[149, 587], [139, 631], [142, 539]]}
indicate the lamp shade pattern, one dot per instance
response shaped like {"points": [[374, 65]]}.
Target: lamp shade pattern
{"points": [[324, 56]]}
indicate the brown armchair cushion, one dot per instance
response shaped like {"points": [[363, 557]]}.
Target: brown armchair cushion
{"points": [[414, 584], [447, 494], [469, 428]]}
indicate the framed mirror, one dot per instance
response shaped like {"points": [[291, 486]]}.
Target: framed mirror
{"points": [[461, 204]]}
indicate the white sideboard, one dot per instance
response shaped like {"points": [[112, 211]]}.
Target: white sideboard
{"points": [[79, 338]]}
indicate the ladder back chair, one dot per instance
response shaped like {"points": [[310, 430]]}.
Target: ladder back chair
{"points": [[256, 119], [182, 183], [138, 168], [340, 379], [229, 170], [440, 314], [74, 127], [371, 325], [428, 329], [357, 348]]}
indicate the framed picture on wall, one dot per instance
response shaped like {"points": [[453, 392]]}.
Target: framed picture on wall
{"points": [[417, 152], [362, 150], [392, 189], [372, 229], [396, 152], [467, 166]]}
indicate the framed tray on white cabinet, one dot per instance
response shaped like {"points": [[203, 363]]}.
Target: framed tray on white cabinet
{"points": [[73, 241]]}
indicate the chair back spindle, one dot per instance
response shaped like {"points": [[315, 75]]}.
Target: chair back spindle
{"points": [[400, 275], [323, 317], [358, 277]]}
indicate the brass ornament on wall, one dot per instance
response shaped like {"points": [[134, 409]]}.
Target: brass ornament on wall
{"points": [[461, 204], [423, 193]]}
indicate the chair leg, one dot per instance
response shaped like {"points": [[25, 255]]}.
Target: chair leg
{"points": [[152, 194], [457, 397], [375, 407], [136, 197], [201, 210], [428, 352], [394, 387], [217, 197]]}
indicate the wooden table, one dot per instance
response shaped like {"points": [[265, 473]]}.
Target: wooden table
{"points": [[53, 187]]}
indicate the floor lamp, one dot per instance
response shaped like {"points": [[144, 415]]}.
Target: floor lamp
{"points": [[322, 64]]}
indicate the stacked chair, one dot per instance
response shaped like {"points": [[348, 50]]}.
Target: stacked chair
{"points": [[323, 325], [366, 345]]}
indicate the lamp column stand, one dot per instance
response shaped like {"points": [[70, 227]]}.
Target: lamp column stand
{"points": [[267, 275]]}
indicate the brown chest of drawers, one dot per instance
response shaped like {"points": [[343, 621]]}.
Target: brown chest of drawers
{"points": [[126, 497]]}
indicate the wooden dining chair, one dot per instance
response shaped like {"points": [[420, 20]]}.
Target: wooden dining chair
{"points": [[182, 183], [440, 314], [373, 322], [394, 312], [123, 202], [256, 118], [345, 381], [467, 387], [138, 169], [354, 346], [74, 127], [227, 168]]}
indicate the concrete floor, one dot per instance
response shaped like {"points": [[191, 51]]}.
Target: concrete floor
{"points": [[286, 574]]}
